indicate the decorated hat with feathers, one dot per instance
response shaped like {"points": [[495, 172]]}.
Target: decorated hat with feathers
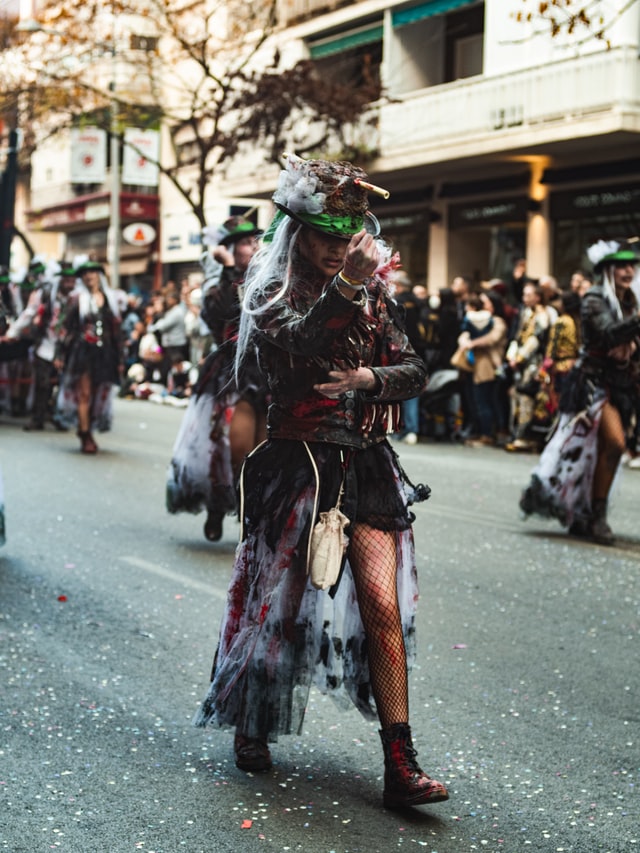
{"points": [[330, 197], [609, 251]]}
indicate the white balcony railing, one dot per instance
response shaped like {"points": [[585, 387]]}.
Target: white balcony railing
{"points": [[291, 11], [483, 114]]}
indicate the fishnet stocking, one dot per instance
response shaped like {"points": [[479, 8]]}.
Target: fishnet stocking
{"points": [[611, 446], [372, 554]]}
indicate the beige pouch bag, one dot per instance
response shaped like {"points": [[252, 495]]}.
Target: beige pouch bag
{"points": [[328, 541]]}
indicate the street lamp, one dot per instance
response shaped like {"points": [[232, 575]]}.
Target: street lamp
{"points": [[113, 239]]}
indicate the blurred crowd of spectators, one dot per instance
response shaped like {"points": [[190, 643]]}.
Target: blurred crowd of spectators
{"points": [[164, 341], [498, 354]]}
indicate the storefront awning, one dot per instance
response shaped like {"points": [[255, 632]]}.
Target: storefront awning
{"points": [[428, 9], [132, 266], [347, 41]]}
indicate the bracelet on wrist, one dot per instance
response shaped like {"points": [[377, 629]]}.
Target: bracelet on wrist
{"points": [[350, 282]]}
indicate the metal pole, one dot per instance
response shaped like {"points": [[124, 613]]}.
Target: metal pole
{"points": [[114, 217], [8, 200]]}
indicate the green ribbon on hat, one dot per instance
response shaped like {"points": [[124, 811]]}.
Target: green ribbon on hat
{"points": [[621, 255], [243, 226], [338, 226], [267, 237], [335, 226]]}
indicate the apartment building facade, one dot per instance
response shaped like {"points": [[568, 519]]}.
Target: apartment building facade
{"points": [[495, 140]]}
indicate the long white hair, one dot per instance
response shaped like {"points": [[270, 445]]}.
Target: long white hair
{"points": [[268, 278], [609, 290]]}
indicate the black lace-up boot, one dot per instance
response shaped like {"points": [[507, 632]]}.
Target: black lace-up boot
{"points": [[405, 784]]}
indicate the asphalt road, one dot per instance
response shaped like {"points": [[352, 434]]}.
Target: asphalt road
{"points": [[525, 700]]}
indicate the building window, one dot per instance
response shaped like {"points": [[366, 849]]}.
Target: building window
{"points": [[146, 43], [435, 42], [464, 43], [351, 57]]}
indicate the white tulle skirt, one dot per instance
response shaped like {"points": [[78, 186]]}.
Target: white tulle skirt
{"points": [[279, 634], [561, 483], [200, 476]]}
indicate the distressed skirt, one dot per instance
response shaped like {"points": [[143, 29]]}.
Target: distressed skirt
{"points": [[279, 634]]}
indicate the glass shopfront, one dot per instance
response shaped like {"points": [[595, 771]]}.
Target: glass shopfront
{"points": [[408, 234], [582, 216], [487, 237]]}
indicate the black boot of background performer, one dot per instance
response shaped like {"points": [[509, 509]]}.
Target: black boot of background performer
{"points": [[87, 444], [600, 530]]}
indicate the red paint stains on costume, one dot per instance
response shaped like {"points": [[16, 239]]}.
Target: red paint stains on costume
{"points": [[336, 323], [291, 523], [307, 407], [391, 652], [235, 600], [263, 613], [392, 264]]}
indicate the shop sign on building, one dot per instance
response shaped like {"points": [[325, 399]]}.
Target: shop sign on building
{"points": [[140, 158], [88, 155], [582, 204], [139, 234], [488, 212]]}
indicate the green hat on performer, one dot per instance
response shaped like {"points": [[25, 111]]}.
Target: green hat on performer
{"points": [[233, 229], [330, 197], [36, 266], [67, 269], [612, 251], [83, 265], [237, 227]]}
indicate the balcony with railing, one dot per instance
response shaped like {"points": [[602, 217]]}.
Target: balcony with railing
{"points": [[293, 11], [579, 97]]}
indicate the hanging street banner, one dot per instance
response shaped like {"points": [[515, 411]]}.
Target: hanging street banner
{"points": [[141, 153], [88, 155]]}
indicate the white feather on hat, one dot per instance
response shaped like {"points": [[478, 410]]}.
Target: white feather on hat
{"points": [[297, 187], [80, 261], [53, 269], [601, 249], [213, 234]]}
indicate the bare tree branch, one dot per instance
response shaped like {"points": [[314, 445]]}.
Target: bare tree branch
{"points": [[210, 74], [565, 17]]}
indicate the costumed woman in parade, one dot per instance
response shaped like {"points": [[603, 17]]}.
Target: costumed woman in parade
{"points": [[226, 415], [90, 349], [338, 363], [573, 479], [41, 323]]}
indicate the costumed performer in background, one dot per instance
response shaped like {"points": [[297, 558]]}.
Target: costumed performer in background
{"points": [[226, 415], [572, 481], [91, 351]]}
